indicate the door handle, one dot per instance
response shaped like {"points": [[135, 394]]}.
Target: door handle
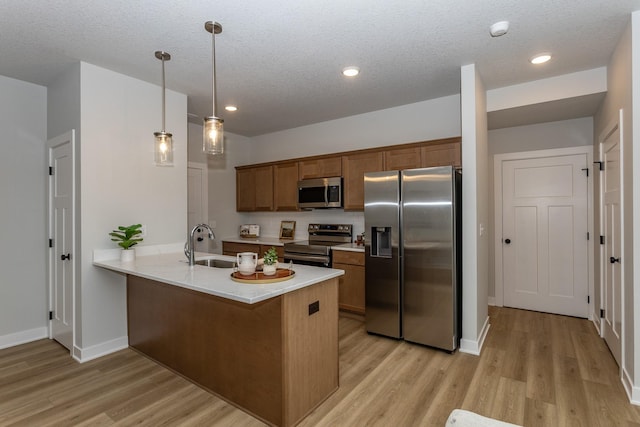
{"points": [[613, 260], [63, 257], [507, 241]]}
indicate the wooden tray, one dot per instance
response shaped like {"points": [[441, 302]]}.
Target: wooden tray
{"points": [[259, 277]]}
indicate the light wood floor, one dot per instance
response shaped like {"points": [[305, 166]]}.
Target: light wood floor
{"points": [[536, 370]]}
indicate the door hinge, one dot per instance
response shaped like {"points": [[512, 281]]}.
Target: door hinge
{"points": [[600, 165], [588, 236], [588, 299], [586, 170], [50, 243], [602, 313], [602, 240], [50, 170], [51, 315]]}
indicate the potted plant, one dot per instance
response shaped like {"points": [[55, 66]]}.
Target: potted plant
{"points": [[270, 262], [127, 237]]}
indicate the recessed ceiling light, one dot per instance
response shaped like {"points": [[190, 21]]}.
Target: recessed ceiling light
{"points": [[351, 71], [540, 59], [231, 108]]}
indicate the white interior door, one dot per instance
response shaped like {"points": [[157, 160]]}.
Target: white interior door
{"points": [[611, 250], [544, 234], [61, 232], [198, 202]]}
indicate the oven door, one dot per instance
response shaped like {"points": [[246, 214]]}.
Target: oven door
{"points": [[314, 260]]}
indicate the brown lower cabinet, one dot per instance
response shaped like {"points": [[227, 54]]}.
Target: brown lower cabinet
{"points": [[234, 248], [351, 285], [276, 359]]}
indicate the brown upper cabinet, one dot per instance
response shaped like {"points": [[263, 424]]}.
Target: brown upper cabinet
{"points": [[354, 166], [447, 154], [273, 186], [402, 158], [323, 167], [285, 186], [254, 189]]}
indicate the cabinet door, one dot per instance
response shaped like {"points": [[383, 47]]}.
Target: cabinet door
{"points": [[351, 288], [285, 186], [402, 158], [245, 190], [442, 155], [263, 188], [354, 166], [324, 167]]}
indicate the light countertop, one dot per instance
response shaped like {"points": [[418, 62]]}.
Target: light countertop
{"points": [[172, 268], [348, 247]]}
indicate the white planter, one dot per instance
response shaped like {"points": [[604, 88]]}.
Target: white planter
{"points": [[269, 270], [127, 255]]}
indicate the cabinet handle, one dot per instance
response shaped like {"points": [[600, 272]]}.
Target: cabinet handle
{"points": [[63, 257]]}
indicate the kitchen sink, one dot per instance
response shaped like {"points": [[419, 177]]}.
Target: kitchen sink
{"points": [[218, 263]]}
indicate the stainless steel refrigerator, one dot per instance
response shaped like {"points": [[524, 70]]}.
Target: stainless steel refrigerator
{"points": [[413, 255]]}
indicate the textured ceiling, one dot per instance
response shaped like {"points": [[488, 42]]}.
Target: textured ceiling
{"points": [[280, 61]]}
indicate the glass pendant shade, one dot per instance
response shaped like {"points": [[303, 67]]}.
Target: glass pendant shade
{"points": [[163, 149], [213, 136]]}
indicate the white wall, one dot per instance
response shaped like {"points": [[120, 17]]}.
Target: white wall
{"points": [[566, 86], [120, 185], [560, 134], [475, 193], [23, 119], [421, 121]]}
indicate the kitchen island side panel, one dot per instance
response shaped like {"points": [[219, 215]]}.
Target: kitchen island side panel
{"points": [[311, 352], [233, 349]]}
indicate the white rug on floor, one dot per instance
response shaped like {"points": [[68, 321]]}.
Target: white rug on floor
{"points": [[462, 418]]}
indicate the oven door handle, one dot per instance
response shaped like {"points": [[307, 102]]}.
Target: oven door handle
{"points": [[312, 258]]}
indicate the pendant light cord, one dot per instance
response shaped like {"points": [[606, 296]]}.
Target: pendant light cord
{"points": [[163, 96], [213, 79]]}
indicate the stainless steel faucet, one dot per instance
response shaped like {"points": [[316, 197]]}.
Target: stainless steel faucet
{"points": [[189, 247]]}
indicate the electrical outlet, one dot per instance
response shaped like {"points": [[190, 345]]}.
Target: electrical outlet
{"points": [[212, 223], [143, 230]]}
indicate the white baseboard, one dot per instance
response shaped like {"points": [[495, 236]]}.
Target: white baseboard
{"points": [[491, 301], [633, 392], [23, 337], [475, 346], [89, 353]]}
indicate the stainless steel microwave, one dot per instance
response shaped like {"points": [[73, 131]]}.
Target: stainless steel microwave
{"points": [[320, 193]]}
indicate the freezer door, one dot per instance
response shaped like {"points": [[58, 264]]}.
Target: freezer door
{"points": [[429, 312], [382, 257]]}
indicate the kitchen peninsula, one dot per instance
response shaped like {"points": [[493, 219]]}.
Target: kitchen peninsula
{"points": [[270, 349]]}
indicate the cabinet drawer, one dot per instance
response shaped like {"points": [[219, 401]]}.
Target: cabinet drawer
{"points": [[233, 248], [348, 257]]}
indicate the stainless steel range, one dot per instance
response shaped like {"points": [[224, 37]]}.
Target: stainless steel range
{"points": [[317, 250]]}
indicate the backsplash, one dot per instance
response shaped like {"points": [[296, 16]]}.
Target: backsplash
{"points": [[269, 222]]}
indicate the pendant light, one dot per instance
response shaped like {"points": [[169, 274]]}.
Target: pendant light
{"points": [[213, 134], [163, 147]]}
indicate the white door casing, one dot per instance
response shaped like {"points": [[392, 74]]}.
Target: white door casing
{"points": [[541, 210], [198, 201], [611, 258], [61, 231]]}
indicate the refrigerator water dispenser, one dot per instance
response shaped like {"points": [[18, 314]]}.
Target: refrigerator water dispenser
{"points": [[381, 242]]}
